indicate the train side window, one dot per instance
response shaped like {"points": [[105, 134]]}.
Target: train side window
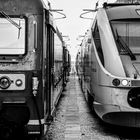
{"points": [[97, 40]]}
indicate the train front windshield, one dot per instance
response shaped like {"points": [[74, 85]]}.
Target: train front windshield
{"points": [[12, 36], [127, 34]]}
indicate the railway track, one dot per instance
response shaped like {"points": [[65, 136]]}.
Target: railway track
{"points": [[75, 120]]}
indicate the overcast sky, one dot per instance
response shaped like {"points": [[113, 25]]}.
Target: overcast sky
{"points": [[73, 26]]}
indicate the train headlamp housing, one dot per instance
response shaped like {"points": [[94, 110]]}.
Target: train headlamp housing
{"points": [[5, 82], [116, 82], [19, 82], [124, 82]]}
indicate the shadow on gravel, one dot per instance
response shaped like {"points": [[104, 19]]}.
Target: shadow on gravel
{"points": [[123, 132], [114, 130]]}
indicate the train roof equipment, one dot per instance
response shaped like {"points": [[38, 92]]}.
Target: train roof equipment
{"points": [[117, 9]]}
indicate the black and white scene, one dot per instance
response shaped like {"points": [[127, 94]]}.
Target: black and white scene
{"points": [[69, 69]]}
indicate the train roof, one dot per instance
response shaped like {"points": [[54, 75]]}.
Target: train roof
{"points": [[122, 11], [21, 7], [16, 7]]}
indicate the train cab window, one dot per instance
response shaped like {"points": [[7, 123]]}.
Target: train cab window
{"points": [[12, 36], [128, 34], [98, 44]]}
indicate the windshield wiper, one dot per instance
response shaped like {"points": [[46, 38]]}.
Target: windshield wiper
{"points": [[10, 20], [125, 46]]}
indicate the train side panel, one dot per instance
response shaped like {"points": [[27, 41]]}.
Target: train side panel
{"points": [[114, 75], [31, 65]]}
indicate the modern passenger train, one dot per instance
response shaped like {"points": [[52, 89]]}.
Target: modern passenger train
{"points": [[33, 63], [108, 64]]}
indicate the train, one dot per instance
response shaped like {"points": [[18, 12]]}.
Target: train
{"points": [[34, 66], [127, 1], [108, 64]]}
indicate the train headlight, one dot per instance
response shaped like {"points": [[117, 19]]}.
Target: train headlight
{"points": [[19, 82], [116, 82], [124, 82], [4, 82]]}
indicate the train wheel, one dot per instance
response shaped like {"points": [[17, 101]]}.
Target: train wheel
{"points": [[90, 100], [82, 86], [34, 137]]}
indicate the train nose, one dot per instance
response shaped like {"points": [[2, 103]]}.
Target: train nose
{"points": [[133, 98], [13, 117], [18, 113]]}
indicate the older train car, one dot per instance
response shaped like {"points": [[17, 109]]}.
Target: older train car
{"points": [[31, 66], [67, 65], [112, 63]]}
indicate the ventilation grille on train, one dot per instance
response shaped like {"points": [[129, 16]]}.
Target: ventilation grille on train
{"points": [[135, 83]]}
